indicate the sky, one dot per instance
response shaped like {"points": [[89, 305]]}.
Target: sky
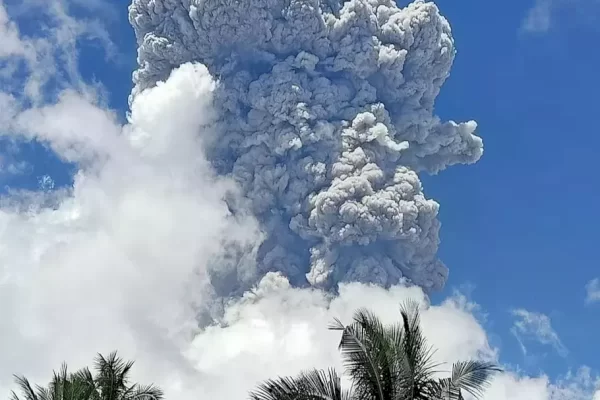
{"points": [[115, 188], [532, 93]]}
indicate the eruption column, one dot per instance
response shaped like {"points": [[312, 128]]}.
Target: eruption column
{"points": [[325, 117]]}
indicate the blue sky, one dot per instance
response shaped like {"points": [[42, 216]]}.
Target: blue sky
{"points": [[522, 229], [518, 227]]}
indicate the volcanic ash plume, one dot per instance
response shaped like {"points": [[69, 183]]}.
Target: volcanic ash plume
{"points": [[325, 119]]}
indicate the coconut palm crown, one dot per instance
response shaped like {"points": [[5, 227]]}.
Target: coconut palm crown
{"points": [[384, 363], [110, 382]]}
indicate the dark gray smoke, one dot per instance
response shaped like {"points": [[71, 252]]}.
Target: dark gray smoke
{"points": [[325, 119]]}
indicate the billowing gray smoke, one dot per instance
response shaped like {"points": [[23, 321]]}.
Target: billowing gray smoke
{"points": [[326, 116]]}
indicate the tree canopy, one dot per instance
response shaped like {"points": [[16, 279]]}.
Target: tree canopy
{"points": [[109, 382], [383, 363]]}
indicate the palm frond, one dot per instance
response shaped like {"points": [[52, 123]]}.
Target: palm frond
{"points": [[443, 389], [148, 392], [84, 375], [109, 383], [26, 389], [46, 394], [417, 354], [85, 385], [385, 363], [359, 347], [111, 375], [58, 387], [473, 376], [309, 385]]}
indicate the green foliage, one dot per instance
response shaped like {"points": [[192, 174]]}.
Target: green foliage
{"points": [[111, 382], [309, 385], [384, 363]]}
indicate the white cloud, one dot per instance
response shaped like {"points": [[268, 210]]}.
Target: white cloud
{"points": [[49, 60], [592, 289], [546, 15], [50, 57], [283, 330], [538, 327], [577, 385], [539, 17], [46, 182], [10, 41], [119, 262], [10, 167], [107, 9]]}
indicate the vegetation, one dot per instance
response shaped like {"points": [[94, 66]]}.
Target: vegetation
{"points": [[110, 382], [383, 363]]}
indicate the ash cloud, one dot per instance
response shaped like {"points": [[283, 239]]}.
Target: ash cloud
{"points": [[325, 119]]}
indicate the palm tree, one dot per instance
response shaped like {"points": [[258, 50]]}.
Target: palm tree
{"points": [[111, 382], [62, 387], [384, 363]]}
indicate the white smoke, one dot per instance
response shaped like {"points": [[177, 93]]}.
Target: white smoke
{"points": [[326, 115], [119, 261], [129, 257]]}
